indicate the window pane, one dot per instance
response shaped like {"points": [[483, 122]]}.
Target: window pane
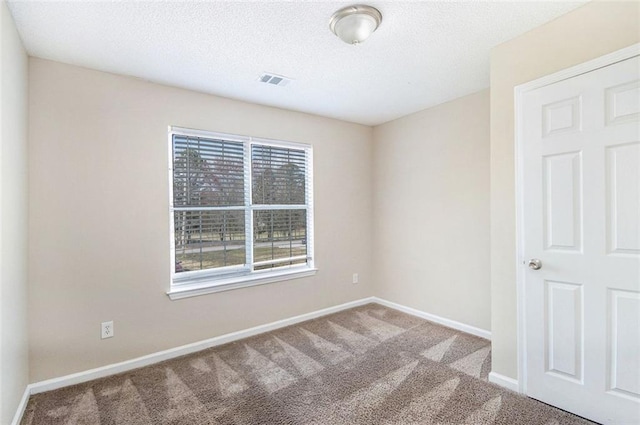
{"points": [[207, 172], [279, 234], [209, 239], [278, 175]]}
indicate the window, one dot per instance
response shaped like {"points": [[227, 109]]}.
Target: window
{"points": [[241, 211]]}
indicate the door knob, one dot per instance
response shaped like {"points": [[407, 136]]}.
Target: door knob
{"points": [[535, 264]]}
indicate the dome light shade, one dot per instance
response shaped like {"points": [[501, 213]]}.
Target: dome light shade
{"points": [[354, 24]]}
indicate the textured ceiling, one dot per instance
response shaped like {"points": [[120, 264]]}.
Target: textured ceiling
{"points": [[423, 54]]}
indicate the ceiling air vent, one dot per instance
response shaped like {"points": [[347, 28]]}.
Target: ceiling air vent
{"points": [[276, 80]]}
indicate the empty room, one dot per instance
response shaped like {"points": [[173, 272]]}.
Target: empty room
{"points": [[319, 212]]}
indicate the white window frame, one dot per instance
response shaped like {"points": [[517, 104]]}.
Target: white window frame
{"points": [[200, 282]]}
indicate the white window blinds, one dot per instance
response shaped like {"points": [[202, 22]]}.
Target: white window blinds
{"points": [[238, 206]]}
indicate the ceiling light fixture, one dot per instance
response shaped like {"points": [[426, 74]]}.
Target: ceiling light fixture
{"points": [[354, 24]]}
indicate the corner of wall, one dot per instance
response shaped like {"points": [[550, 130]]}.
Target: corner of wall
{"points": [[13, 217], [431, 198]]}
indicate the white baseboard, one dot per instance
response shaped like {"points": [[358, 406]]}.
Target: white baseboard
{"points": [[504, 381], [108, 370], [437, 319], [21, 406], [112, 369]]}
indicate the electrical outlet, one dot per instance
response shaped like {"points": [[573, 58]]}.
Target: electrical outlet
{"points": [[107, 329], [355, 278]]}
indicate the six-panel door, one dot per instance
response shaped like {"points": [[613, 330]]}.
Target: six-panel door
{"points": [[581, 212]]}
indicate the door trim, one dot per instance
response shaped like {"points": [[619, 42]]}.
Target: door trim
{"points": [[519, 91]]}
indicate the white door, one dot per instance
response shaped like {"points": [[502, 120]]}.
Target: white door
{"points": [[580, 141]]}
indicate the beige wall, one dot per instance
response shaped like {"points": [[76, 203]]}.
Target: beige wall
{"points": [[13, 217], [588, 32], [431, 210], [99, 222]]}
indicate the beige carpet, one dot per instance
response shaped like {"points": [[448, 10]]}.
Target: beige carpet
{"points": [[368, 365]]}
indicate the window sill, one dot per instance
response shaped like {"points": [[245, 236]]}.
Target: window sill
{"points": [[202, 287]]}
